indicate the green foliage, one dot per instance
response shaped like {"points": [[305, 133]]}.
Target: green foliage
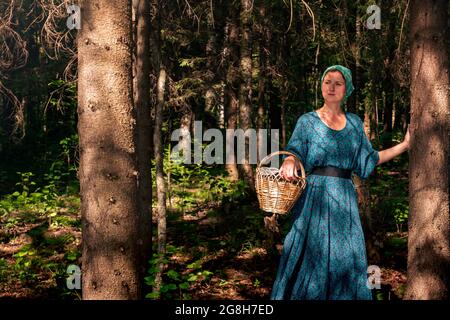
{"points": [[63, 169], [195, 184], [3, 269], [25, 264], [401, 215], [30, 261], [176, 283], [390, 198], [63, 94], [29, 198]]}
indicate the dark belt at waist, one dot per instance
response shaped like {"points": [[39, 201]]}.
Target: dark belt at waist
{"points": [[332, 172]]}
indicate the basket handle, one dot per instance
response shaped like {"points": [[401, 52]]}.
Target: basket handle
{"points": [[266, 159]]}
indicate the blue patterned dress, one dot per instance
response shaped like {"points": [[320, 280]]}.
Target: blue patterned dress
{"points": [[324, 254]]}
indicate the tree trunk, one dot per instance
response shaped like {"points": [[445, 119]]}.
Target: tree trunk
{"points": [[284, 89], [141, 86], [388, 86], [160, 183], [388, 107], [372, 119], [262, 148], [284, 93], [211, 51], [428, 225], [231, 84], [187, 135], [357, 55], [245, 89], [108, 159], [159, 67], [261, 117]]}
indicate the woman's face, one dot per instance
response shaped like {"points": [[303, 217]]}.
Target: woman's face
{"points": [[333, 87]]}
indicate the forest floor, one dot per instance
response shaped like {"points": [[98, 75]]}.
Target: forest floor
{"points": [[36, 249], [215, 251]]}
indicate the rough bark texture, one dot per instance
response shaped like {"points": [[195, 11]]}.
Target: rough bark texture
{"points": [[141, 87], [428, 236], [245, 90], [108, 160]]}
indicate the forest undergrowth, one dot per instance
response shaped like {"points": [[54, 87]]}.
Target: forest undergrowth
{"points": [[217, 245]]}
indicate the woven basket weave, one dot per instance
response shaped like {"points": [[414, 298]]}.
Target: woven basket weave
{"points": [[275, 194]]}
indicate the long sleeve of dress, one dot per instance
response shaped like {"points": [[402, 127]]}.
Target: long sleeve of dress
{"points": [[367, 157]]}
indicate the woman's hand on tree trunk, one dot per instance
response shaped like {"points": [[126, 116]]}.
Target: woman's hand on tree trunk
{"points": [[406, 139]]}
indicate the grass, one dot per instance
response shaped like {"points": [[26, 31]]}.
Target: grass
{"points": [[35, 252]]}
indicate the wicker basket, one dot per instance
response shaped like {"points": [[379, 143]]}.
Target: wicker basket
{"points": [[275, 194]]}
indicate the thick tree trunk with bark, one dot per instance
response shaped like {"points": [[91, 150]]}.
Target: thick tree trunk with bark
{"points": [[108, 157], [428, 225]]}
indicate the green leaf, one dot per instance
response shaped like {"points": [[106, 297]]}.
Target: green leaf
{"points": [[164, 289], [194, 265], [153, 270], [172, 274], [207, 273], [153, 295], [72, 255], [184, 285], [167, 287], [172, 286], [192, 278], [20, 254]]}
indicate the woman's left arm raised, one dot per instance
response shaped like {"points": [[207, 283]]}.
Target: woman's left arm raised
{"points": [[388, 154]]}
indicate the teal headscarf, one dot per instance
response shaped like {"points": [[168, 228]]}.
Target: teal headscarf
{"points": [[347, 74]]}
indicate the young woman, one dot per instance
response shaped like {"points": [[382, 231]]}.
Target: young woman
{"points": [[324, 255]]}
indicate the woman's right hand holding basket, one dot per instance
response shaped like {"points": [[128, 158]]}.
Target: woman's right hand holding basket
{"points": [[289, 168]]}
